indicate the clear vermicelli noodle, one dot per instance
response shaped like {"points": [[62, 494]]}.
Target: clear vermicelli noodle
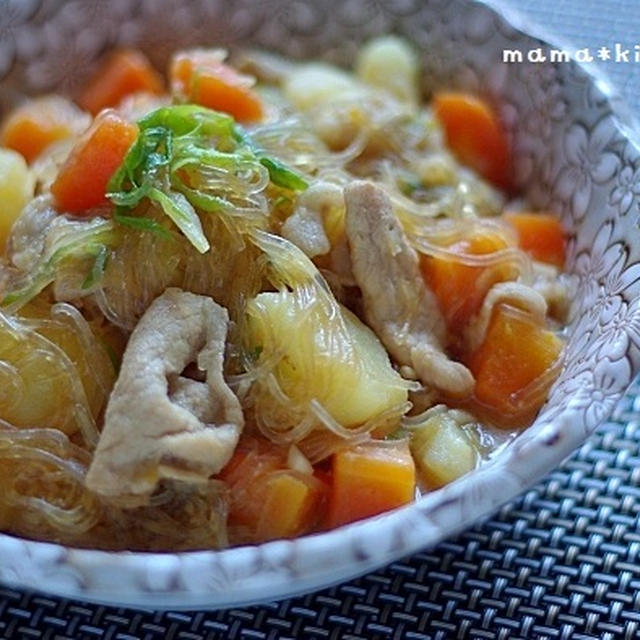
{"points": [[42, 482], [251, 308]]}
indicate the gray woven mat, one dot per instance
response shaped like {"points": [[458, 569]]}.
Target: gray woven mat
{"points": [[563, 561]]}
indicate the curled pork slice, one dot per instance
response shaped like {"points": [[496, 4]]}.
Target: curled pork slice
{"points": [[514, 293], [398, 304], [160, 423], [554, 287]]}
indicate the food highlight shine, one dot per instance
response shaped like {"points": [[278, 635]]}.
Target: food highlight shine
{"points": [[270, 299]]}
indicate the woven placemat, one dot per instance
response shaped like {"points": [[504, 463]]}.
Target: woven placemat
{"points": [[562, 561]]}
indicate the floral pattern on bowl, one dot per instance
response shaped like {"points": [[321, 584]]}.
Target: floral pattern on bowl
{"points": [[573, 154]]}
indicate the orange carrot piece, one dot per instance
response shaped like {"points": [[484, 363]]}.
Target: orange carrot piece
{"points": [[250, 463], [474, 135], [289, 505], [200, 76], [541, 235], [38, 123], [461, 288], [82, 181], [514, 366], [369, 479], [267, 499], [125, 72]]}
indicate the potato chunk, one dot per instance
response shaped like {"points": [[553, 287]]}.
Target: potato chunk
{"points": [[54, 371], [349, 372], [389, 63], [16, 189], [442, 450], [319, 83]]}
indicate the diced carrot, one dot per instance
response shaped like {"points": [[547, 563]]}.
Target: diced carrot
{"points": [[514, 366], [541, 235], [369, 479], [267, 499], [252, 457], [200, 76], [82, 181], [289, 506], [461, 288], [244, 473], [38, 123], [124, 73], [475, 136]]}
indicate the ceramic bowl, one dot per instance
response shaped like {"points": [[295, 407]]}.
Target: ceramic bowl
{"points": [[573, 154]]}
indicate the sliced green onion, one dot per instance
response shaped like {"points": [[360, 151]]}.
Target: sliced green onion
{"points": [[180, 210], [97, 270], [181, 139], [282, 175], [142, 224]]}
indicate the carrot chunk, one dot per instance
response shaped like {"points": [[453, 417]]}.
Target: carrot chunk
{"points": [[514, 366], [541, 235], [474, 135], [201, 76], [290, 505], [37, 124], [82, 181], [251, 462], [460, 288], [369, 479], [125, 72], [268, 500]]}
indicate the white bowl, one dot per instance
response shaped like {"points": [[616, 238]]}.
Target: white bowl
{"points": [[573, 155]]}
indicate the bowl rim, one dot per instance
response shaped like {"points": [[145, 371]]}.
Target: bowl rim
{"points": [[280, 569]]}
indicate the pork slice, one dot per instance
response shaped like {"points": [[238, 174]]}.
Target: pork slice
{"points": [[516, 294], [555, 287], [160, 424], [398, 305]]}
